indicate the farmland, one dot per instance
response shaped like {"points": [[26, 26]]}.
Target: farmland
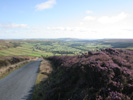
{"points": [[58, 46]]}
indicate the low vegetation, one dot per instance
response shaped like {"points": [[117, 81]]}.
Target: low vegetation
{"points": [[9, 60], [101, 75], [9, 64], [44, 71]]}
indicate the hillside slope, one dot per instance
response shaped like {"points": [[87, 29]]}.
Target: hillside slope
{"points": [[10, 60], [101, 75], [9, 63]]}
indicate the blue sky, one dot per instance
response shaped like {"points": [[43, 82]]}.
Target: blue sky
{"points": [[89, 19]]}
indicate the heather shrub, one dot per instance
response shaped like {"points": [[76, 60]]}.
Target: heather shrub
{"points": [[101, 75]]}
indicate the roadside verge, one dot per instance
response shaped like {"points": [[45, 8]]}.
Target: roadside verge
{"points": [[4, 71], [44, 71]]}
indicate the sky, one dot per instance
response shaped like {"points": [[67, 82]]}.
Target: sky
{"points": [[85, 19]]}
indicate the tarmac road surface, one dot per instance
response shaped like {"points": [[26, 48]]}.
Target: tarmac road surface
{"points": [[19, 84]]}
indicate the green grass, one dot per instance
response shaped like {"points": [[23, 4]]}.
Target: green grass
{"points": [[26, 49], [38, 48], [40, 77]]}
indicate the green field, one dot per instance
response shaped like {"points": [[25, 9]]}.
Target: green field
{"points": [[58, 47]]}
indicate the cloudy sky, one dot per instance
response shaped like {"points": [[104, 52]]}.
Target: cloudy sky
{"points": [[86, 19]]}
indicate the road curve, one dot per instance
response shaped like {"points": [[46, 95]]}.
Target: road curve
{"points": [[19, 84]]}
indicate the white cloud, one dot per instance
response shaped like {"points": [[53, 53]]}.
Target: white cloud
{"points": [[113, 19], [61, 28], [115, 26], [89, 18], [68, 28], [13, 26], [45, 5], [89, 12], [90, 27]]}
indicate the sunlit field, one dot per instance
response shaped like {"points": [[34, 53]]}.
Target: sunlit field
{"points": [[58, 47]]}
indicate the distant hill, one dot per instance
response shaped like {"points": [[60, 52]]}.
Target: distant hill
{"points": [[63, 46], [68, 39], [101, 75]]}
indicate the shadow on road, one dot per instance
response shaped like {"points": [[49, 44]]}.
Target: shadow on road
{"points": [[30, 93]]}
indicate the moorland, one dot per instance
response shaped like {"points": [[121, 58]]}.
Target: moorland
{"points": [[75, 69]]}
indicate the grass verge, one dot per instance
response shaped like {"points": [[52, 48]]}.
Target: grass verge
{"points": [[43, 74]]}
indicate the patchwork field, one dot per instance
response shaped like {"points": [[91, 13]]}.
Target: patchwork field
{"points": [[58, 46]]}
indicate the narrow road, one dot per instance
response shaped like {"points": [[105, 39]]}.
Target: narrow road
{"points": [[19, 84]]}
